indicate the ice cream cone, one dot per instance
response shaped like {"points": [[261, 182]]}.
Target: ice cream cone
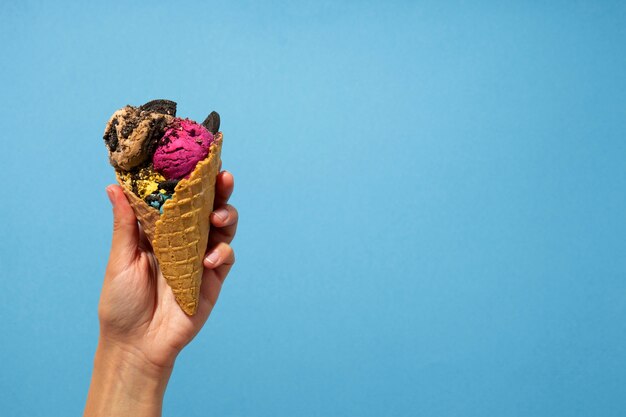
{"points": [[180, 234]]}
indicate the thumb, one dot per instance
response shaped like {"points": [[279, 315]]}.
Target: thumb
{"points": [[125, 229]]}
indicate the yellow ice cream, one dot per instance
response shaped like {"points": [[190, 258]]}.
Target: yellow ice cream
{"points": [[143, 182]]}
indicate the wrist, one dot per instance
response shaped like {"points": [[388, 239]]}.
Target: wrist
{"points": [[131, 361], [125, 383]]}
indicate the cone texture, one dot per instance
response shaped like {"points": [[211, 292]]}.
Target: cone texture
{"points": [[180, 234]]}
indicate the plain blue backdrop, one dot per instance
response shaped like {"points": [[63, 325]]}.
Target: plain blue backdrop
{"points": [[432, 202]]}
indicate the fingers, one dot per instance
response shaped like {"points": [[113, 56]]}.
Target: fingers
{"points": [[225, 217], [218, 263], [225, 220], [220, 259], [224, 185], [125, 228]]}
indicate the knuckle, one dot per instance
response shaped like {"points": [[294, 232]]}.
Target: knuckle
{"points": [[233, 214], [230, 254], [117, 225]]}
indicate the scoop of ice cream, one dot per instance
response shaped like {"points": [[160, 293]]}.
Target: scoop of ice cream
{"points": [[157, 199], [183, 145], [143, 182], [132, 133], [164, 192]]}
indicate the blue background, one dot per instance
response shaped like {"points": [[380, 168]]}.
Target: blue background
{"points": [[431, 197]]}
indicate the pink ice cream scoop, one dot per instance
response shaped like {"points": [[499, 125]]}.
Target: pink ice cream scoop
{"points": [[182, 146]]}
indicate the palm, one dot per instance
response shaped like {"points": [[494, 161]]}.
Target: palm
{"points": [[170, 329], [148, 312]]}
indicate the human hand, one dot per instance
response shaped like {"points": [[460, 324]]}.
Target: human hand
{"points": [[137, 308], [142, 328]]}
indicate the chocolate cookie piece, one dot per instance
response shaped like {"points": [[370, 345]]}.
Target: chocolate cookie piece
{"points": [[160, 106], [155, 132], [212, 122], [110, 136], [168, 186]]}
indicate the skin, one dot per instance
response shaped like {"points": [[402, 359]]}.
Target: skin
{"points": [[142, 328]]}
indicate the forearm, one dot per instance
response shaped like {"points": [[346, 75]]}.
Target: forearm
{"points": [[123, 384]]}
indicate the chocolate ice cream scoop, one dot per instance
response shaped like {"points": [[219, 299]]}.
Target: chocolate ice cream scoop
{"points": [[132, 133]]}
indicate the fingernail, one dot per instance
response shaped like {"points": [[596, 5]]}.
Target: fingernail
{"points": [[110, 195], [213, 257], [221, 214]]}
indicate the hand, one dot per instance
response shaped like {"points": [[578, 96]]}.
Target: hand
{"points": [[137, 308], [142, 328]]}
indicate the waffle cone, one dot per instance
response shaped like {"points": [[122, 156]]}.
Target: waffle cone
{"points": [[179, 235]]}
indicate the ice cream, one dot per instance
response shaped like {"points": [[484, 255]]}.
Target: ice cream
{"points": [[168, 168], [149, 185], [143, 182], [151, 149], [182, 146], [157, 199], [164, 191], [132, 133]]}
